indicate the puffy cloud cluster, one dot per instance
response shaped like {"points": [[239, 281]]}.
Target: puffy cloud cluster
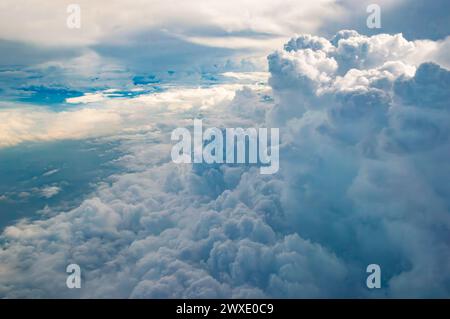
{"points": [[366, 136], [363, 179], [164, 233]]}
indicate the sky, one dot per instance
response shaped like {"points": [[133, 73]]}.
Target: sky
{"points": [[86, 174]]}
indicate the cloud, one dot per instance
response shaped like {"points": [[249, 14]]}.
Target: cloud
{"points": [[51, 172], [105, 114], [34, 21], [16, 53], [50, 191], [363, 179], [361, 141], [415, 19], [32, 124], [155, 51], [157, 243]]}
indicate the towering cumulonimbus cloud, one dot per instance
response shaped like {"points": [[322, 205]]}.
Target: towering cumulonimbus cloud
{"points": [[363, 179], [366, 149]]}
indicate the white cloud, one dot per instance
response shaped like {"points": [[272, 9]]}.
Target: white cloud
{"points": [[105, 114], [44, 22], [51, 172], [34, 124], [49, 191]]}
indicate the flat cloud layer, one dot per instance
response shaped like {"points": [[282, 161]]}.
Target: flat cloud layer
{"points": [[44, 22], [363, 179], [97, 114]]}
